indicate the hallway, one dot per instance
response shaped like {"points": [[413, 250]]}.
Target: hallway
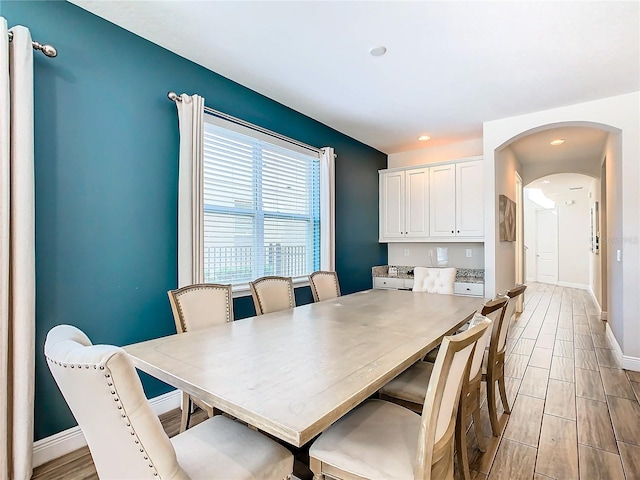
{"points": [[575, 413]]}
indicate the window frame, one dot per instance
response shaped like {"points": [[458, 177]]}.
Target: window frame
{"points": [[242, 289]]}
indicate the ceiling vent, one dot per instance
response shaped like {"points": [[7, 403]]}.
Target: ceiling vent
{"points": [[576, 188]]}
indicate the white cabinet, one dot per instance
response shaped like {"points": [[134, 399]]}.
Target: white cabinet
{"points": [[470, 289], [470, 199], [456, 200], [404, 204], [442, 200], [393, 283]]}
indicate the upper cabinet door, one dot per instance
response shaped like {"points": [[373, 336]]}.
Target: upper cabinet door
{"points": [[392, 196], [416, 213], [442, 200], [469, 199]]}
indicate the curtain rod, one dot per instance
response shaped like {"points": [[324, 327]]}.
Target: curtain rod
{"points": [[173, 96], [48, 50]]}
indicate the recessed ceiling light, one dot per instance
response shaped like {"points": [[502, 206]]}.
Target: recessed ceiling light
{"points": [[378, 51], [424, 138], [545, 182], [558, 141]]}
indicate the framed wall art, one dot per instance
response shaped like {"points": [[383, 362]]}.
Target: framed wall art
{"points": [[507, 210]]}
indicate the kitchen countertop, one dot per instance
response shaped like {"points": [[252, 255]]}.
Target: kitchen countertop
{"points": [[463, 275]]}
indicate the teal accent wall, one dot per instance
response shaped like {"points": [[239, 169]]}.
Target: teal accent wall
{"points": [[106, 150]]}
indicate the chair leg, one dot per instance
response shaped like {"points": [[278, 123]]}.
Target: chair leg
{"points": [[491, 401], [185, 418], [461, 445], [503, 394], [477, 426]]}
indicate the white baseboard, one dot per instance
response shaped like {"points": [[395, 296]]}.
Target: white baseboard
{"points": [[581, 286], [595, 300], [67, 441], [628, 362]]}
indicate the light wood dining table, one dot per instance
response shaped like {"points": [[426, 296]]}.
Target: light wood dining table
{"points": [[293, 373]]}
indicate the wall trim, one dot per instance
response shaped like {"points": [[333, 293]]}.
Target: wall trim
{"points": [[595, 300], [627, 361], [581, 286], [603, 315], [59, 444]]}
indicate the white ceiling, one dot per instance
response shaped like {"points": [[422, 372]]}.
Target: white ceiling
{"points": [[562, 184], [449, 65]]}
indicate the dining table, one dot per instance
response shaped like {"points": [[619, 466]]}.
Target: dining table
{"points": [[294, 372]]}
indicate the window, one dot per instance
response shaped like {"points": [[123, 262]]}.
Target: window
{"points": [[261, 205]]}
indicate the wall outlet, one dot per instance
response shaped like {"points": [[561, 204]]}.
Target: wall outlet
{"points": [[469, 253], [406, 252]]}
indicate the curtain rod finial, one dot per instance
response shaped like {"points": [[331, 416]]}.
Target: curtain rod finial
{"points": [[174, 97], [48, 50]]}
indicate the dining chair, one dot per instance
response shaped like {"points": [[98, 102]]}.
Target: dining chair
{"points": [[434, 280], [380, 439], [410, 388], [272, 294], [194, 307], [324, 285], [493, 368], [126, 438]]}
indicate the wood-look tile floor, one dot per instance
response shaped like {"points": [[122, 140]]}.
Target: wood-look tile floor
{"points": [[575, 412]]}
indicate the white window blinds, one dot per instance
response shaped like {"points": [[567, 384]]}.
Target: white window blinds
{"points": [[261, 206]]}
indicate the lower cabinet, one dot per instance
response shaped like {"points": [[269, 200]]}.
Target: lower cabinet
{"points": [[393, 283], [459, 288], [471, 289]]}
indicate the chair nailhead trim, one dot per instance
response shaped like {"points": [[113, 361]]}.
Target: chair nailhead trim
{"points": [[116, 398]]}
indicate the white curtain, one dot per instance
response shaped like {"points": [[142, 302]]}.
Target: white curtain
{"points": [[17, 254], [327, 209], [190, 185]]}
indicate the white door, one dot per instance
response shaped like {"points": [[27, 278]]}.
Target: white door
{"points": [[547, 254]]}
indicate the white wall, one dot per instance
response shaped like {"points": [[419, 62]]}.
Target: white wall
{"points": [[530, 239], [619, 115], [506, 165], [419, 252], [440, 153]]}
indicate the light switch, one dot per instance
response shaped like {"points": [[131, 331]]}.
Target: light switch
{"points": [[469, 253], [406, 252], [618, 255]]}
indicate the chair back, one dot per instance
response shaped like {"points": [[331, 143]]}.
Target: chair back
{"points": [[324, 285], [492, 310], [513, 295], [106, 398], [443, 394], [272, 294], [434, 280], [201, 305]]}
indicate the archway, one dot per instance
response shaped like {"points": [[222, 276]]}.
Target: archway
{"points": [[618, 116]]}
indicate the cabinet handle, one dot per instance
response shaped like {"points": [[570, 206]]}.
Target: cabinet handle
{"points": [[458, 231], [451, 231]]}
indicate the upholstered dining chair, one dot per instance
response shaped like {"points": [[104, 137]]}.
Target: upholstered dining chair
{"points": [[324, 285], [126, 438], [381, 439], [272, 294], [194, 307], [493, 367], [434, 280], [410, 388]]}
